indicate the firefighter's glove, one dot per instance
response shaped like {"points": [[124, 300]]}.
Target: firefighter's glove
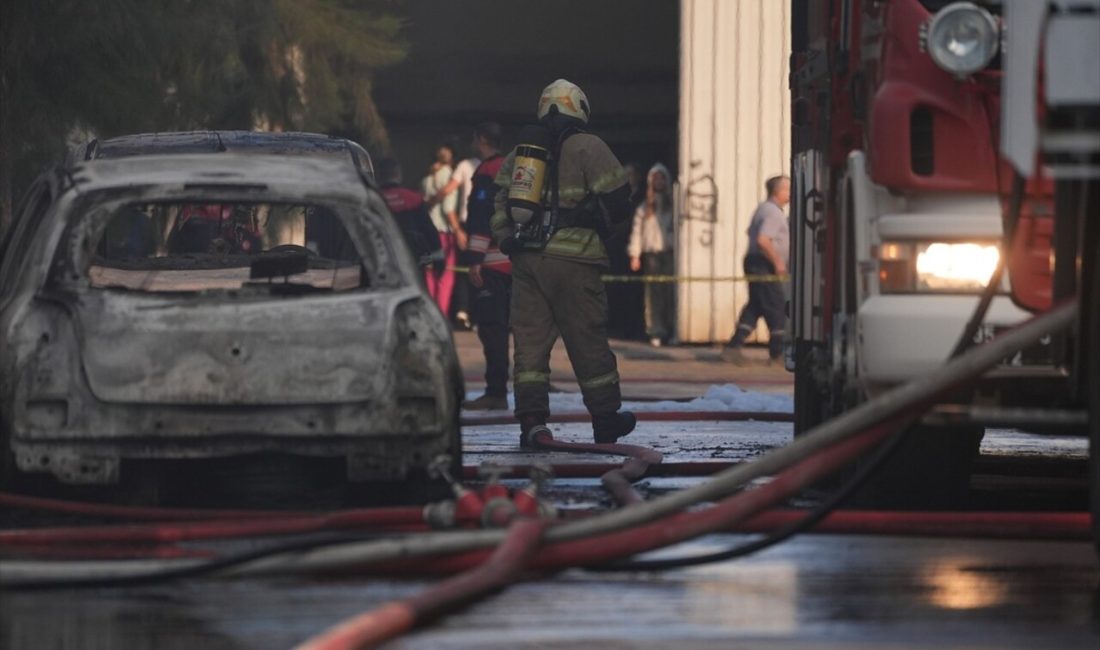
{"points": [[509, 246]]}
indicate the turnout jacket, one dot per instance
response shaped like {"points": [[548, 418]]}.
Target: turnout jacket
{"points": [[586, 167]]}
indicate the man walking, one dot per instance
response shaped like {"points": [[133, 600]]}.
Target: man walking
{"points": [[769, 249], [490, 271], [556, 267]]}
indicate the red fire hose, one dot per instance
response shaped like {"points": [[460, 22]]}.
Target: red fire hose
{"points": [[108, 552], [619, 481], [663, 532], [405, 518], [110, 511], [136, 541], [371, 629]]}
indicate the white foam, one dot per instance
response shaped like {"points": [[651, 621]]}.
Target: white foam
{"points": [[727, 397]]}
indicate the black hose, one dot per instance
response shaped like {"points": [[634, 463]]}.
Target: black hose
{"points": [[1015, 203], [190, 571], [821, 511]]}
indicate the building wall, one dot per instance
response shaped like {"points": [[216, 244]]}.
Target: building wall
{"points": [[734, 134]]}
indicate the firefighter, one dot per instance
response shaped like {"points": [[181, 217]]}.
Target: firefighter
{"points": [[557, 259], [490, 271]]}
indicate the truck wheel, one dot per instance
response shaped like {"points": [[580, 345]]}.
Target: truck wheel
{"points": [[809, 411], [8, 470], [929, 470]]}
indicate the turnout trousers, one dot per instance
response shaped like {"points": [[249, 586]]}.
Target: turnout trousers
{"points": [[490, 311], [552, 296]]}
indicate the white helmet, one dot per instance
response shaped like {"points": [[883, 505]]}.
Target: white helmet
{"points": [[569, 99]]}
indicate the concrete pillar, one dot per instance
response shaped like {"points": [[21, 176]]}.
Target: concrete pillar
{"points": [[734, 134]]}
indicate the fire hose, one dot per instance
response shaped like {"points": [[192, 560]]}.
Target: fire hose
{"points": [[632, 530], [619, 481], [393, 619], [378, 625], [372, 519], [110, 511]]}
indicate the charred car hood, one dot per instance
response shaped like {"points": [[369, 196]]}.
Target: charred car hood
{"points": [[197, 350]]}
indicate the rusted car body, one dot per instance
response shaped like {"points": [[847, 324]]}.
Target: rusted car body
{"points": [[112, 352]]}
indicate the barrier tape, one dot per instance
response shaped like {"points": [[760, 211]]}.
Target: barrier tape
{"points": [[659, 279], [688, 278]]}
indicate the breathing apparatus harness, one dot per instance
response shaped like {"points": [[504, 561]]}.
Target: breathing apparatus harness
{"points": [[537, 175]]}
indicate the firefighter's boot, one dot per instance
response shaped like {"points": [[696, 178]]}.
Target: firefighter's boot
{"points": [[608, 428], [530, 426]]}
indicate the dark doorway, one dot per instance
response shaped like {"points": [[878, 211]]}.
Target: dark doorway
{"points": [[489, 59]]}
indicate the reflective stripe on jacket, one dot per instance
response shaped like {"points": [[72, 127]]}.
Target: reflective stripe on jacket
{"points": [[587, 166]]}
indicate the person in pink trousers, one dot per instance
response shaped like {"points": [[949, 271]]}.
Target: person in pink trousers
{"points": [[452, 237]]}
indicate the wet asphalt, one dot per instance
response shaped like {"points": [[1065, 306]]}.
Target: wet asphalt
{"points": [[815, 591]]}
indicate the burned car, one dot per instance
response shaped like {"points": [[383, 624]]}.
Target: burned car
{"points": [[197, 306]]}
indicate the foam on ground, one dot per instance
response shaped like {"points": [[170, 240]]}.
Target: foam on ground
{"points": [[727, 397]]}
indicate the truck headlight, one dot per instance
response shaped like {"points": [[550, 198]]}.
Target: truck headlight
{"points": [[955, 267], [962, 38], [908, 267]]}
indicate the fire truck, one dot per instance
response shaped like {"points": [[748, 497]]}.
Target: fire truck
{"points": [[945, 188]]}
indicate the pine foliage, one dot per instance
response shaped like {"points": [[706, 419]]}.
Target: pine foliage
{"points": [[108, 67]]}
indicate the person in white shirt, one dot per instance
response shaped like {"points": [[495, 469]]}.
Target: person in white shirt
{"points": [[650, 247], [460, 185], [445, 219]]}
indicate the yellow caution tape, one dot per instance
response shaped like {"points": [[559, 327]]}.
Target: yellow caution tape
{"points": [[659, 279], [648, 279]]}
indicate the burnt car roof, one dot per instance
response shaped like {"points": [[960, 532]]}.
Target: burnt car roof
{"points": [[251, 142], [307, 175]]}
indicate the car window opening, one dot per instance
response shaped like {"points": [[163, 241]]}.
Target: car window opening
{"points": [[286, 249]]}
